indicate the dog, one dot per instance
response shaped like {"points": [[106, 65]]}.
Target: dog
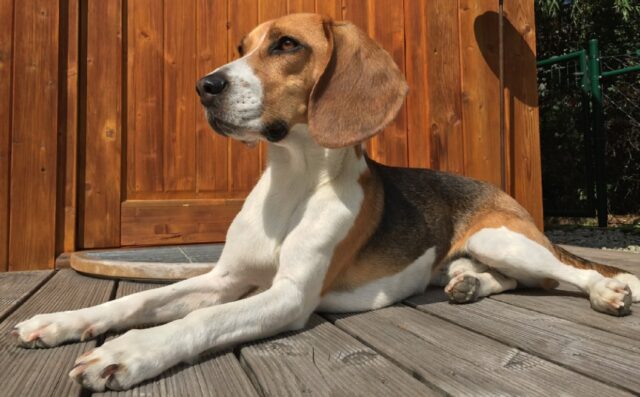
{"points": [[325, 228]]}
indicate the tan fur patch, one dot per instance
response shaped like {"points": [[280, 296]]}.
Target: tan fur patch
{"points": [[364, 226]]}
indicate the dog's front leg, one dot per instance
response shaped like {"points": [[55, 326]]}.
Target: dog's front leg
{"points": [[149, 307], [304, 259]]}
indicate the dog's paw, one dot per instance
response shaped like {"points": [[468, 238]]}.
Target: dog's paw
{"points": [[463, 288], [611, 296], [118, 364], [52, 329]]}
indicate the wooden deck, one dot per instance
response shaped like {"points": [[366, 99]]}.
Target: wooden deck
{"points": [[519, 343]]}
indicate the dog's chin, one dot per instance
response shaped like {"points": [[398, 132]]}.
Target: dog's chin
{"points": [[239, 133]]}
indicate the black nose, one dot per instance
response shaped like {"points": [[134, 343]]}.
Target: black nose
{"points": [[210, 86]]}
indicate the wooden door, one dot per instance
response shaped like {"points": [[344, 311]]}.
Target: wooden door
{"points": [[152, 172]]}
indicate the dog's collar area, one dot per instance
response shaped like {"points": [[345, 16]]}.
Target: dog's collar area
{"points": [[276, 131]]}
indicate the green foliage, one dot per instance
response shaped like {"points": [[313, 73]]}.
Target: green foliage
{"points": [[565, 26], [551, 8]]}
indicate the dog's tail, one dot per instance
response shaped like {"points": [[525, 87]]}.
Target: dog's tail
{"points": [[579, 262]]}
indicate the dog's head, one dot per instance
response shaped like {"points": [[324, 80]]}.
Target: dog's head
{"points": [[304, 68]]}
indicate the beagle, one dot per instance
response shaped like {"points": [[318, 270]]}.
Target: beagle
{"points": [[325, 228]]}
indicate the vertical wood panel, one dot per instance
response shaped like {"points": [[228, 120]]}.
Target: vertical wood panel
{"points": [[525, 177], [179, 80], [330, 8], [418, 106], [145, 63], [244, 163], [443, 83], [100, 223], [69, 130], [6, 53], [212, 148], [301, 6], [387, 28], [34, 136], [480, 90]]}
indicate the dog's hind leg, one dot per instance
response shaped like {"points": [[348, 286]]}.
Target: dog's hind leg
{"points": [[470, 280], [144, 308], [518, 257]]}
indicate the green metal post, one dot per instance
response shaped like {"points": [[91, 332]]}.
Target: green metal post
{"points": [[598, 131]]}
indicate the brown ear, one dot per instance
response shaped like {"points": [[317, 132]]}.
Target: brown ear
{"points": [[359, 92]]}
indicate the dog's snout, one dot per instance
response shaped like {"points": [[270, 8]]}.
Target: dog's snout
{"points": [[210, 86]]}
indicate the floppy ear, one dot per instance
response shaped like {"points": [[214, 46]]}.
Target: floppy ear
{"points": [[359, 92]]}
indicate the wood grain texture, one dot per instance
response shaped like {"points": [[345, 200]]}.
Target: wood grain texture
{"points": [[321, 360], [66, 239], [301, 6], [525, 176], [146, 222], [480, 90], [16, 287], [244, 163], [178, 95], [330, 8], [460, 362], [43, 372], [34, 140], [6, 58], [573, 306], [211, 375], [387, 28], [597, 354], [145, 100], [100, 218], [444, 125], [212, 149]]}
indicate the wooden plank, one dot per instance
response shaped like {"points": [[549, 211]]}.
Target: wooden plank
{"points": [[34, 136], [461, 362], [480, 92], [176, 222], [444, 123], [68, 208], [16, 287], [212, 149], [330, 8], [145, 72], [6, 58], [43, 372], [525, 178], [244, 163], [217, 374], [387, 29], [322, 360], [573, 306], [178, 96], [417, 74], [101, 162], [600, 355], [301, 6]]}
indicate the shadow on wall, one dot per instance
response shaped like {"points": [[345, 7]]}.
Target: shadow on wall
{"points": [[519, 59]]}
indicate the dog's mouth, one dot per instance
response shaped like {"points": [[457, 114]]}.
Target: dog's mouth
{"points": [[228, 129]]}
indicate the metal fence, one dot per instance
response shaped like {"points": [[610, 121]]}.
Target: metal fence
{"points": [[575, 90]]}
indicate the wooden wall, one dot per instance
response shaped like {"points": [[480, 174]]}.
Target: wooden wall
{"points": [[103, 142]]}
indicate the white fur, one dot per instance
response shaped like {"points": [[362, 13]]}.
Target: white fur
{"points": [[281, 243], [520, 258], [491, 282], [385, 291]]}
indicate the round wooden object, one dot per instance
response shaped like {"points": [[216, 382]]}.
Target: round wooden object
{"points": [[159, 264]]}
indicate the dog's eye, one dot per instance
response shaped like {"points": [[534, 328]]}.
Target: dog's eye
{"points": [[285, 44]]}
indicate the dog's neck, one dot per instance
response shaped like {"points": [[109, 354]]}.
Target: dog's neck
{"points": [[299, 156]]}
